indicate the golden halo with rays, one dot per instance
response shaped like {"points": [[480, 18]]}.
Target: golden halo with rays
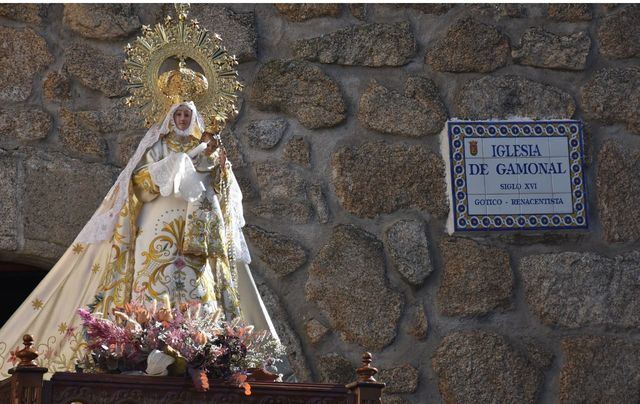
{"points": [[213, 91]]}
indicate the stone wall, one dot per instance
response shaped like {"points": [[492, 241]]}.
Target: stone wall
{"points": [[336, 148]]}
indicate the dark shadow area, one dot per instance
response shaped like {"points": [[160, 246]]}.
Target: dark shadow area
{"points": [[16, 282]]}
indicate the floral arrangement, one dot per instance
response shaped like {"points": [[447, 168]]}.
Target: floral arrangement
{"points": [[185, 340]]}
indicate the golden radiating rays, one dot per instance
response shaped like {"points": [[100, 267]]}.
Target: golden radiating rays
{"points": [[181, 39]]}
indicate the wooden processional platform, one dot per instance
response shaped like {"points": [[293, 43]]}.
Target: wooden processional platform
{"points": [[26, 386]]}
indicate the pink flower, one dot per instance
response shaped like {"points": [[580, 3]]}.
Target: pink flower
{"points": [[164, 315], [143, 316], [200, 338], [13, 358]]}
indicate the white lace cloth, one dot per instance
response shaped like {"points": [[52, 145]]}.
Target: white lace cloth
{"points": [[178, 173], [236, 213]]}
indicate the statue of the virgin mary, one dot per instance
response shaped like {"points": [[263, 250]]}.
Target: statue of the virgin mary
{"points": [[170, 228]]}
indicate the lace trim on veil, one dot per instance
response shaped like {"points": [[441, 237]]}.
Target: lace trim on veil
{"points": [[102, 224]]}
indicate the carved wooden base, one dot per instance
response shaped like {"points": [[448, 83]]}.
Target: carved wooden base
{"points": [[115, 389]]}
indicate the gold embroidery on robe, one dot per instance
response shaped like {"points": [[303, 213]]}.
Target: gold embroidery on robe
{"points": [[143, 185], [204, 229], [167, 270], [115, 287], [180, 144]]}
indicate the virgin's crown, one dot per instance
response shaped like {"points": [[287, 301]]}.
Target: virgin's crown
{"points": [[182, 84]]}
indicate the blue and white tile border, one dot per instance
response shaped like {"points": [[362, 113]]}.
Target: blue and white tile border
{"points": [[452, 148]]}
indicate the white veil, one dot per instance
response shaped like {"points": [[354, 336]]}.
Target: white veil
{"points": [[167, 124]]}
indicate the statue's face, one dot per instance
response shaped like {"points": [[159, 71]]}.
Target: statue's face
{"points": [[182, 118]]}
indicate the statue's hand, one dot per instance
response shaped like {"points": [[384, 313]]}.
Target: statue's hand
{"points": [[212, 143], [210, 149]]}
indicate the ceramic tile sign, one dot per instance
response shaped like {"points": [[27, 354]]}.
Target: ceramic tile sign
{"points": [[515, 175]]}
